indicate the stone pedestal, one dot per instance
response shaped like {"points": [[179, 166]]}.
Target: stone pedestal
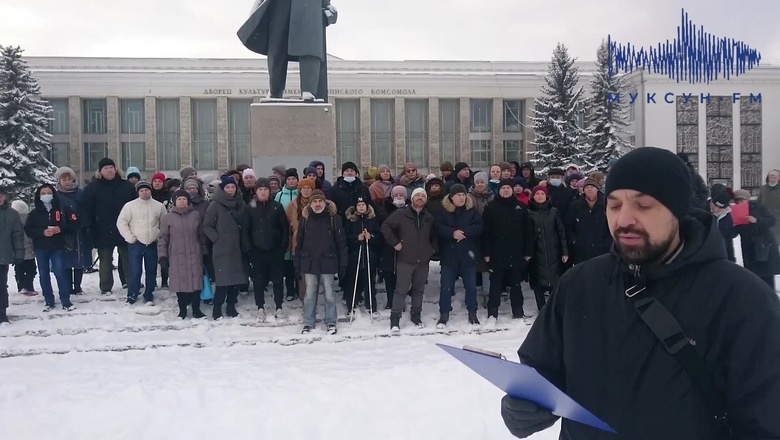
{"points": [[293, 134]]}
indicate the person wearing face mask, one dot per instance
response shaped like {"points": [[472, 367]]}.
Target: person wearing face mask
{"points": [[561, 196], [769, 196], [52, 228], [347, 189]]}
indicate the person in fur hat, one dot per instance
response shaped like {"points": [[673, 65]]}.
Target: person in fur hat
{"points": [[364, 242]]}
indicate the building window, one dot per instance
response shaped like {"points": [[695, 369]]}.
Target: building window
{"points": [[481, 116], [688, 129], [383, 132], [59, 123], [204, 134], [513, 116], [168, 134], [348, 130], [94, 115], [481, 153], [239, 132], [417, 132], [59, 154], [720, 140], [513, 150], [133, 155], [449, 130], [750, 145], [132, 116], [632, 140], [93, 152]]}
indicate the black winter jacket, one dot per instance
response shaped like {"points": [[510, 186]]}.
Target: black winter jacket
{"points": [[507, 234], [591, 343], [345, 195], [549, 245], [451, 219], [588, 230], [60, 215], [100, 206], [322, 245], [759, 248], [728, 232], [561, 197], [701, 194], [265, 227], [415, 233], [356, 223], [387, 256]]}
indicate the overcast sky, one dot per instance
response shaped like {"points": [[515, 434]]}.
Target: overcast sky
{"points": [[524, 30]]}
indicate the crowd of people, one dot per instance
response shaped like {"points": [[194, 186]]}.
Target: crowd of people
{"points": [[304, 235]]}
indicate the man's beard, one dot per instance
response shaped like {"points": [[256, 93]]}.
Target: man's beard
{"points": [[646, 251]]}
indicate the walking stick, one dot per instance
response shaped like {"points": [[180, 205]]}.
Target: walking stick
{"points": [[369, 276], [354, 288]]}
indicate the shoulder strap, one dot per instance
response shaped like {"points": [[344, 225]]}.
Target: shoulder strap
{"points": [[677, 343]]}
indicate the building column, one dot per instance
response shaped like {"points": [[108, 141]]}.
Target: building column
{"points": [[222, 134], [528, 131], [76, 150], [185, 131], [366, 158], [335, 154], [150, 132], [434, 156], [498, 130], [112, 126], [465, 130], [400, 134]]}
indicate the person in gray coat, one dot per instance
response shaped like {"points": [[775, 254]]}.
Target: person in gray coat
{"points": [[182, 243], [11, 247], [291, 30], [222, 226], [25, 272]]}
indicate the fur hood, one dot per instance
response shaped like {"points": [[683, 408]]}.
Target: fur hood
{"points": [[330, 207], [449, 207], [353, 216]]}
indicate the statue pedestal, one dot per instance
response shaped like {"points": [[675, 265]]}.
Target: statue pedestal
{"points": [[292, 133]]}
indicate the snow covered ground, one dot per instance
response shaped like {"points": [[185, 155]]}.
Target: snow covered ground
{"points": [[105, 372]]}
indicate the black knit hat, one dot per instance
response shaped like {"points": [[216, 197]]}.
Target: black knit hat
{"points": [[141, 185], [106, 162], [181, 193], [457, 189], [640, 169], [506, 182], [291, 172], [262, 183], [460, 166], [349, 166]]}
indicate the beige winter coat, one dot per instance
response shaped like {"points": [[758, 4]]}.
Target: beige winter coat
{"points": [[140, 221]]}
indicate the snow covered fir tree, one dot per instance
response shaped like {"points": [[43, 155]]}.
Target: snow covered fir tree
{"points": [[24, 119], [607, 118], [560, 139]]}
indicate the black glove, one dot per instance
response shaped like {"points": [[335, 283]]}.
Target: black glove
{"points": [[524, 418], [342, 272], [164, 264], [18, 261]]}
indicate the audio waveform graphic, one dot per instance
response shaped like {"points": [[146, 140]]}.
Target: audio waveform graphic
{"points": [[694, 56]]}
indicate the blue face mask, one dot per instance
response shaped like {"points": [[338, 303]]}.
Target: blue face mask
{"points": [[47, 199], [555, 182], [349, 179]]}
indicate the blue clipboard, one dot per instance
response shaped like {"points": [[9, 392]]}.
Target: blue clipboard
{"points": [[524, 382]]}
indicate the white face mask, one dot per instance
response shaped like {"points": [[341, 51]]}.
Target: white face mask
{"points": [[555, 182], [496, 181], [47, 199], [349, 179], [399, 203]]}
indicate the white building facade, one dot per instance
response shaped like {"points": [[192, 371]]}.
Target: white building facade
{"points": [[163, 114]]}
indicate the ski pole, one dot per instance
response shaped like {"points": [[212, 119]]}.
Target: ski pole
{"points": [[369, 276], [354, 288]]}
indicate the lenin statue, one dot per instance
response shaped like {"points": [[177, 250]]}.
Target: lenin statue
{"points": [[291, 30]]}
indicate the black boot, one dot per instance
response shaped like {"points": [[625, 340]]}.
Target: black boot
{"points": [[443, 319], [395, 320], [78, 276], [493, 313], [183, 300], [232, 299], [473, 320], [416, 320], [3, 315], [219, 299], [195, 301]]}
